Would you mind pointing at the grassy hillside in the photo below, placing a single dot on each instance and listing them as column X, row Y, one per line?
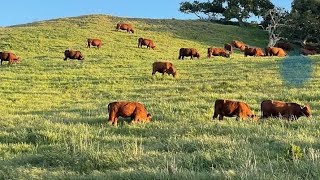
column 53, row 119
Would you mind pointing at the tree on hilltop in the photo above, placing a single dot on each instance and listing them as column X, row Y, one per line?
column 304, row 21
column 228, row 9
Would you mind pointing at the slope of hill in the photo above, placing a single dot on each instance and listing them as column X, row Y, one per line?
column 53, row 119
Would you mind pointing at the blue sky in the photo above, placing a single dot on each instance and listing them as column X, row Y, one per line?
column 26, row 11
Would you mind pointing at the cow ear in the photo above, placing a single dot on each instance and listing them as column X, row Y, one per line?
column 302, row 107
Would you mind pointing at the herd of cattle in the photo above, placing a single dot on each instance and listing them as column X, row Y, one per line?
column 138, row 113
column 222, row 107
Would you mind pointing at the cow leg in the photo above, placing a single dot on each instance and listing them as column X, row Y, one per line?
column 154, row 72
column 220, row 117
column 134, row 120
column 179, row 57
column 215, row 115
column 1, row 62
column 112, row 118
column 191, row 57
column 65, row 58
column 115, row 121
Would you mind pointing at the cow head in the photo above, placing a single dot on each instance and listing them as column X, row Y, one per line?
column 148, row 117
column 197, row 55
column 172, row 71
column 306, row 110
column 153, row 47
column 254, row 117
column 224, row 54
column 81, row 57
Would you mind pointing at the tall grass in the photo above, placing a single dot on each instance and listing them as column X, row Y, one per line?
column 53, row 119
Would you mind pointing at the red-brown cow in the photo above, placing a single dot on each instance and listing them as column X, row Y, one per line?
column 94, row 42
column 217, row 52
column 135, row 110
column 290, row 111
column 146, row 42
column 253, row 52
column 238, row 44
column 73, row 55
column 125, row 26
column 275, row 51
column 229, row 48
column 8, row 56
column 164, row 67
column 188, row 52
column 230, row 108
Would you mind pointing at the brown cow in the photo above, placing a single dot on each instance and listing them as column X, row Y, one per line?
column 164, row 67
column 8, row 56
column 125, row 26
column 135, row 110
column 230, row 108
column 290, row 111
column 217, row 52
column 238, row 44
column 284, row 45
column 252, row 51
column 307, row 52
column 312, row 48
column 73, row 55
column 188, row 52
column 94, row 42
column 275, row 51
column 229, row 48
column 145, row 42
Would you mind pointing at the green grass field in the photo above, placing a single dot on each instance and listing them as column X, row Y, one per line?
column 53, row 116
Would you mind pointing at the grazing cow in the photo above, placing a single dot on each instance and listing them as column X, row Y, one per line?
column 275, row 51
column 8, row 56
column 135, row 110
column 229, row 48
column 230, row 108
column 188, row 52
column 312, row 48
column 307, row 52
column 290, row 111
column 146, row 42
column 125, row 26
column 253, row 52
column 73, row 55
column 94, row 42
column 284, row 45
column 164, row 67
column 238, row 44
column 217, row 52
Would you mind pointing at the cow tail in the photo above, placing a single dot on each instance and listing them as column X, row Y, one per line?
column 109, row 107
